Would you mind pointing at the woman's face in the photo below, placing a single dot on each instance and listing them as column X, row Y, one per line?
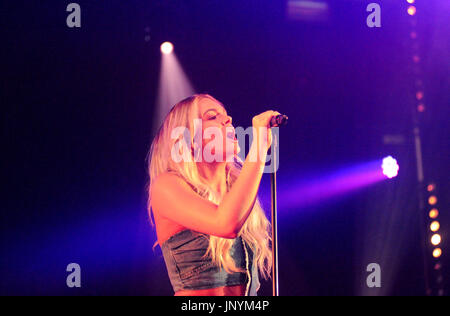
column 214, row 116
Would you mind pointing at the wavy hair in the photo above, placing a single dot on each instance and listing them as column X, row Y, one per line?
column 255, row 231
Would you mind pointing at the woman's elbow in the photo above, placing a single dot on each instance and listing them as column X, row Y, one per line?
column 232, row 232
column 231, row 235
column 229, row 232
column 228, row 228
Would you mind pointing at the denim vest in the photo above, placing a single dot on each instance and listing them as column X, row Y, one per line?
column 188, row 270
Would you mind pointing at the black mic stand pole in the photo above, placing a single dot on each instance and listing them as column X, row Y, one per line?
column 273, row 187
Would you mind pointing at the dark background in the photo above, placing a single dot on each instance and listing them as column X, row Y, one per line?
column 77, row 110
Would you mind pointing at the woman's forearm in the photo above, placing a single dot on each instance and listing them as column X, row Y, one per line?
column 237, row 204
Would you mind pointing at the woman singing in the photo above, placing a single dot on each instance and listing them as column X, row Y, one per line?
column 210, row 225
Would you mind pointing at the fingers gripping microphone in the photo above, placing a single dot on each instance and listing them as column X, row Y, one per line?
column 278, row 120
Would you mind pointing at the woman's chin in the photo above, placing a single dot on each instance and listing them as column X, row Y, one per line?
column 236, row 149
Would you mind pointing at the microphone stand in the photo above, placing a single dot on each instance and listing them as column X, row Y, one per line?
column 276, row 121
column 273, row 177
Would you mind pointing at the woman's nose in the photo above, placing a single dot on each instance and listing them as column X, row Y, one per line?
column 228, row 120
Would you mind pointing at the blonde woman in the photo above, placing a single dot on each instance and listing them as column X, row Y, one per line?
column 210, row 225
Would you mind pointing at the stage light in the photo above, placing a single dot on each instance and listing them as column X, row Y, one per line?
column 166, row 48
column 436, row 239
column 434, row 213
column 390, row 167
column 421, row 108
column 437, row 253
column 432, row 200
column 434, row 226
column 412, row 10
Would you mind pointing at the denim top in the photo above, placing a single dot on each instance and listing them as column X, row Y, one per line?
column 188, row 270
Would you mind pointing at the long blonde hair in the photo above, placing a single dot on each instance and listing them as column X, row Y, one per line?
column 255, row 231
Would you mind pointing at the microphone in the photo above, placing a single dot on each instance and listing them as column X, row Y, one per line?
column 279, row 120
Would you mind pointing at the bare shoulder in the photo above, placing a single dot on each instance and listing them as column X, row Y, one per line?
column 164, row 187
column 167, row 181
column 167, row 186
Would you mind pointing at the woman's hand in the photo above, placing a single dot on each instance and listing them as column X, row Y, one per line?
column 262, row 133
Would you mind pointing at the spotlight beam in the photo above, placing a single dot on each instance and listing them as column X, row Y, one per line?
column 174, row 85
column 339, row 183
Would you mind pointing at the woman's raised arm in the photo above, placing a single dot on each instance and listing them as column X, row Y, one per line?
column 174, row 199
